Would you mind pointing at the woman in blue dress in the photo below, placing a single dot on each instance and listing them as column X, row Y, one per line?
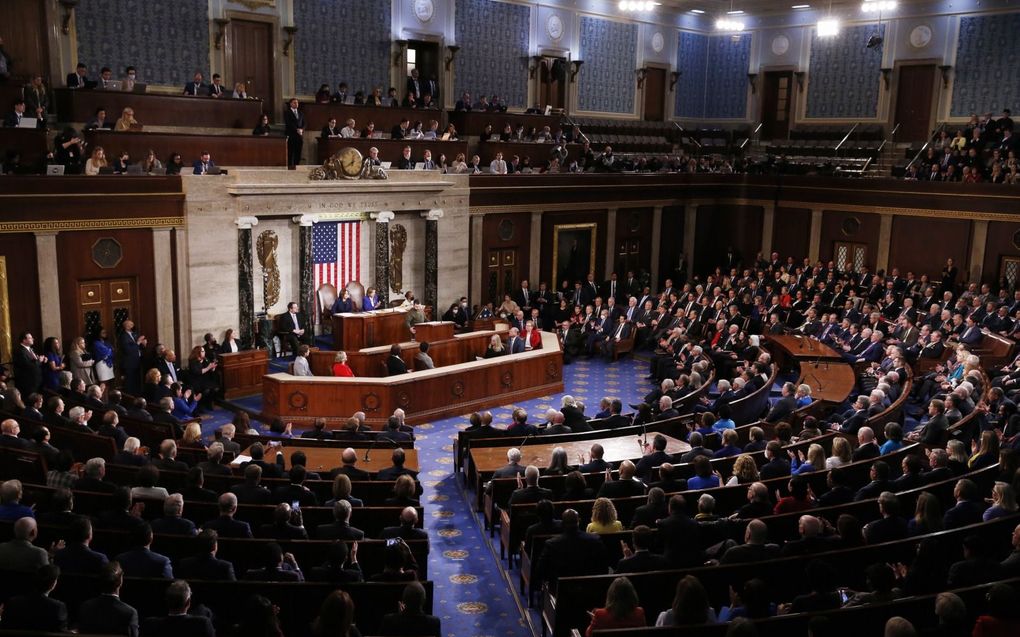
column 54, row 363
column 371, row 301
column 102, row 351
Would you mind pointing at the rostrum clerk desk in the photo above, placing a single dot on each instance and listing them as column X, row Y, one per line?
column 427, row 395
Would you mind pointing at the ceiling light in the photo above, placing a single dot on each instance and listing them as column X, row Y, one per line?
column 878, row 6
column 735, row 12
column 724, row 24
column 828, row 28
column 698, row 11
column 637, row 5
column 801, row 6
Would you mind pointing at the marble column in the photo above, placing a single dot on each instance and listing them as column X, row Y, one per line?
column 978, row 241
column 382, row 254
column 306, row 286
column 611, row 244
column 768, row 219
column 690, row 240
column 884, row 239
column 432, row 218
column 164, row 292
column 815, row 237
column 476, row 267
column 535, row 256
column 245, row 279
column 49, row 304
column 656, row 244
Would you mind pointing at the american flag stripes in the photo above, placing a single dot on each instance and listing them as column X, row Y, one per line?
column 336, row 253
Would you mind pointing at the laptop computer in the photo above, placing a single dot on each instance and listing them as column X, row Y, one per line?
column 106, row 170
column 55, row 169
column 134, row 169
column 114, row 85
column 419, row 165
column 377, row 135
column 385, row 165
column 494, row 137
column 445, row 137
column 28, row 122
column 139, row 87
column 349, row 99
column 215, row 170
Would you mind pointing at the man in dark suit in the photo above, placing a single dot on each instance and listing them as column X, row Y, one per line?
column 407, row 530
column 27, row 365
column 167, row 460
column 641, row 559
column 515, row 344
column 755, row 547
column 106, row 614
column 651, row 460
column 620, row 332
column 216, row 89
column 572, row 553
column 529, row 492
column 251, row 490
column 173, row 521
column 935, row 432
column 76, row 557
column 205, row 565
column 396, row 469
column 294, row 128
column 296, row 491
column 395, row 364
column 196, row 88
column 79, row 79
column 226, row 525
column 867, row 447
column 140, row 561
column 680, row 535
column 784, row 406
column 178, row 622
column 340, row 528
column 37, row 611
column 411, row 619
column 969, row 506
column 523, row 296
column 777, row 465
column 349, row 458
column 129, row 354
column 9, row 436
column 626, row 486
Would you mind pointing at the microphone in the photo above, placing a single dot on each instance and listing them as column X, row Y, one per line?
column 819, row 381
column 377, row 439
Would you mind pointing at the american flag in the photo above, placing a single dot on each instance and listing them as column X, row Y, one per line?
column 336, row 253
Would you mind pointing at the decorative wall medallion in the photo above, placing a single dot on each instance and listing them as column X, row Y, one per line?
column 507, row 378
column 505, row 230
column 424, row 10
column 107, row 252
column 554, row 27
column 270, row 399
column 457, row 389
column 658, row 42
column 370, row 402
column 780, row 45
column 850, row 226
column 298, row 400
column 552, row 370
column 920, row 36
column 403, row 399
column 1016, row 239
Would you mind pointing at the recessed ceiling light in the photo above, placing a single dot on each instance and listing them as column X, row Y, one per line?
column 735, row 12
column 801, row 6
column 698, row 11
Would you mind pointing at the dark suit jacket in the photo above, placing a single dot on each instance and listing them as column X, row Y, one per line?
column 35, row 612
column 530, row 495
column 963, row 514
column 571, row 554
column 205, row 567
column 291, row 123
column 642, row 562
column 338, row 531
column 141, row 562
column 191, row 88
column 78, row 558
column 177, row 626
column 395, row 366
column 407, row 624
column 27, row 372
column 173, row 526
column 750, row 553
column 107, row 614
column 621, row 489
column 680, row 538
column 249, row 494
column 129, row 356
column 228, row 527
column 783, row 408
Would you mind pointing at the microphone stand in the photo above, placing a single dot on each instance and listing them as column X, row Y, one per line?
column 377, row 439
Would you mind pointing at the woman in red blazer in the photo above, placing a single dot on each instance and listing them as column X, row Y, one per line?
column 340, row 366
column 622, row 608
column 531, row 336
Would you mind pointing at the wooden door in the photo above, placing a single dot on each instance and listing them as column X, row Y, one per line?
column 423, row 56
column 105, row 303
column 553, row 82
column 915, row 88
column 628, row 256
column 1009, row 272
column 251, row 58
column 655, row 95
column 24, row 34
column 850, row 256
column 776, row 96
column 503, row 274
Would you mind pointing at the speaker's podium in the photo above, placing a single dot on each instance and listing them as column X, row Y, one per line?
column 358, row 330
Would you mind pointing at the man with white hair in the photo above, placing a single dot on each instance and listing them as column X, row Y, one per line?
column 131, row 454
column 513, row 466
column 529, row 492
column 79, row 417
column 168, row 457
column 213, row 465
column 11, row 508
column 225, row 525
column 867, row 447
column 573, row 416
column 408, row 528
column 785, row 405
column 811, row 539
column 95, row 471
column 666, row 410
column 173, row 521
column 555, row 424
column 20, row 554
column 227, row 433
column 9, row 430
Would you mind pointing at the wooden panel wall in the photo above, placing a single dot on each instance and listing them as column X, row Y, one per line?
column 75, row 264
column 720, row 226
column 922, row 245
column 1000, row 244
column 552, row 219
column 671, row 244
column 791, row 233
column 22, row 283
column 834, row 228
column 24, row 34
column 634, row 223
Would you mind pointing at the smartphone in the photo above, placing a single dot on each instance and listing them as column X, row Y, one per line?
column 844, row 596
column 295, row 505
column 393, row 541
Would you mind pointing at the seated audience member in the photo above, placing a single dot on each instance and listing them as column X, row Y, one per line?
column 177, row 621
column 340, row 529
column 407, row 529
column 196, row 87
column 263, row 128
column 127, row 121
column 141, row 561
column 977, row 566
column 411, row 617
column 622, row 609
column 11, row 508
column 205, row 565
column 20, row 554
column 969, row 506
column 277, row 566
column 690, row 605
column 225, row 525
column 106, row 613
column 36, row 611
column 571, row 553
column 204, row 164
column 240, row 91
column 396, row 468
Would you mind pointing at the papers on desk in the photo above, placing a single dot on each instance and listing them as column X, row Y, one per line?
column 240, row 459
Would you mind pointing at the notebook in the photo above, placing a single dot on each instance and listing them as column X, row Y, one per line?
column 28, row 122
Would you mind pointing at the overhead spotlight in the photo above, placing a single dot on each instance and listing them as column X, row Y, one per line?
column 801, row 6
column 637, row 5
column 725, row 24
column 735, row 12
column 697, row 11
column 828, row 28
column 874, row 41
column 878, row 6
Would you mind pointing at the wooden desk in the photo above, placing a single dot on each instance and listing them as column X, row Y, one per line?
column 617, row 449
column 159, row 110
column 473, row 123
column 243, row 372
column 384, row 117
column 802, row 347
column 829, row 381
column 226, row 150
column 392, row 149
column 32, row 143
column 358, row 330
column 433, row 331
column 371, row 361
column 322, row 459
column 427, row 395
column 538, row 152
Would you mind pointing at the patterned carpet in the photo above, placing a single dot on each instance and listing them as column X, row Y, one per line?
column 474, row 595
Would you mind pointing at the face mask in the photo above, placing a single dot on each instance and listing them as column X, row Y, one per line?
column 131, row 76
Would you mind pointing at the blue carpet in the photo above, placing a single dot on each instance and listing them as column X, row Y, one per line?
column 474, row 594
